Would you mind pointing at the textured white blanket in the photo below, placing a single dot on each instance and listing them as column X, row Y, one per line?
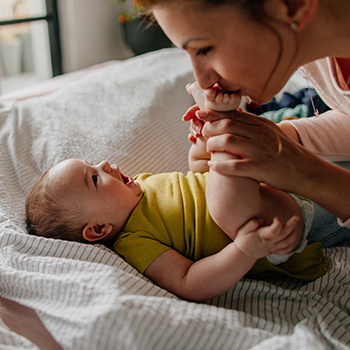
column 89, row 298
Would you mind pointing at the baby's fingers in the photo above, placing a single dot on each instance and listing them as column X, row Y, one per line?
column 271, row 231
column 250, row 226
column 286, row 245
column 291, row 224
column 279, row 229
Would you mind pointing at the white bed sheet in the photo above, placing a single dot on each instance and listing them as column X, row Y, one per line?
column 88, row 297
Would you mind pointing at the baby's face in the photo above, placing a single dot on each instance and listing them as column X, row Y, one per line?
column 107, row 195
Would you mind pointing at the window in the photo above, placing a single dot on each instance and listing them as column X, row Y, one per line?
column 29, row 42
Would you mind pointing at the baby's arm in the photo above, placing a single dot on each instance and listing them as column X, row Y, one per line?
column 198, row 156
column 214, row 275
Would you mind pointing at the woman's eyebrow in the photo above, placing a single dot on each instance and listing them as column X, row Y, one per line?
column 188, row 41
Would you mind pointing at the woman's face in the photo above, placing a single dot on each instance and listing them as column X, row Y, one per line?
column 228, row 48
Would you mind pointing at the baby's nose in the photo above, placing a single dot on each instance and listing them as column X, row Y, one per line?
column 105, row 166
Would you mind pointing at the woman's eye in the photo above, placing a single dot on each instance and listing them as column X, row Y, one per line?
column 94, row 179
column 204, row 51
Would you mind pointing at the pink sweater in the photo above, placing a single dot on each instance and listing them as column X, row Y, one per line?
column 328, row 135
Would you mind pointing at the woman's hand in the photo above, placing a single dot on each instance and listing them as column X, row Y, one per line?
column 267, row 153
column 196, row 124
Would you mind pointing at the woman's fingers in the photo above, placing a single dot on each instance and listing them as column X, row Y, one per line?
column 196, row 124
column 238, row 167
column 235, row 115
column 190, row 113
column 254, row 128
column 267, row 154
column 196, row 127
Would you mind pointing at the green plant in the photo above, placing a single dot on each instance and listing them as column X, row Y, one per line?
column 132, row 12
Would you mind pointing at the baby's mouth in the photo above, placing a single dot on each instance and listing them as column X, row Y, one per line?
column 126, row 179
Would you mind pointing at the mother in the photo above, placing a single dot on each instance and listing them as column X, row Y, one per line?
column 252, row 47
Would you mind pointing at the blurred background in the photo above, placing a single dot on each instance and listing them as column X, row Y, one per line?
column 40, row 39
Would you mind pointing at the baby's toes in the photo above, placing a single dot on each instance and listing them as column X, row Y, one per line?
column 227, row 98
column 235, row 100
column 210, row 94
column 219, row 97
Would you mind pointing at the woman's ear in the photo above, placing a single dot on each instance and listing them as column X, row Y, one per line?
column 301, row 12
column 298, row 13
column 95, row 232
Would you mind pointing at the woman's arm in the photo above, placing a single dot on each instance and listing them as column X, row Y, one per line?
column 25, row 322
column 294, row 169
column 327, row 135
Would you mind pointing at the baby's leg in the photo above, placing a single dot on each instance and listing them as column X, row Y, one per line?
column 234, row 200
column 226, row 195
column 231, row 199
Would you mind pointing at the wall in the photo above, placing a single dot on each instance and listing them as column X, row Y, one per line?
column 90, row 33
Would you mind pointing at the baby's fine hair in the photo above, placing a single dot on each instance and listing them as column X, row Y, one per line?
column 47, row 216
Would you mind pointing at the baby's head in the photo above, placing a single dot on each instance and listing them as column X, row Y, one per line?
column 77, row 201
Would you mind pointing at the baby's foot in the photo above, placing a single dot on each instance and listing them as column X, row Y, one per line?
column 219, row 100
column 197, row 93
column 213, row 98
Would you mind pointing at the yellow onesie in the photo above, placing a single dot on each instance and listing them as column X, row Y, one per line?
column 173, row 214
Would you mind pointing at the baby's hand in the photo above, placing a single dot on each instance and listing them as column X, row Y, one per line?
column 260, row 241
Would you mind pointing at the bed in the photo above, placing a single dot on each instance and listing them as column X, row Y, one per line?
column 86, row 296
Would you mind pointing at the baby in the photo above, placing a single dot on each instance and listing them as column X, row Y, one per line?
column 161, row 224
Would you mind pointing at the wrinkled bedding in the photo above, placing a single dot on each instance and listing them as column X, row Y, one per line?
column 86, row 296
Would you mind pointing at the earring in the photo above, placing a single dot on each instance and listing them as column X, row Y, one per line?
column 294, row 26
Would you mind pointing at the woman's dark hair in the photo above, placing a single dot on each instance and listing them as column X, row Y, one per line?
column 253, row 8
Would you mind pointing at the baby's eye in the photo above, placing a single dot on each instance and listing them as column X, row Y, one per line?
column 94, row 179
column 204, row 51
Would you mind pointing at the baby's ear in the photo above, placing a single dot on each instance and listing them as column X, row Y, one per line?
column 95, row 232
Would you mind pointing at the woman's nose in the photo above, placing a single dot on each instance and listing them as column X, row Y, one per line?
column 205, row 75
column 105, row 166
